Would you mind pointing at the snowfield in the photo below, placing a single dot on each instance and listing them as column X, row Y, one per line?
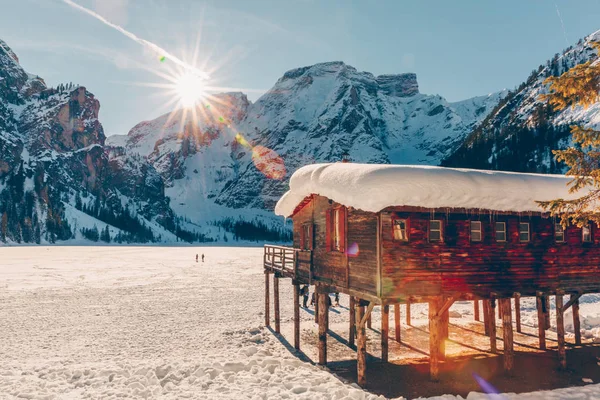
column 150, row 322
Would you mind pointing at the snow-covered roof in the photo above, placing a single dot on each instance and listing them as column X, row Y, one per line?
column 373, row 187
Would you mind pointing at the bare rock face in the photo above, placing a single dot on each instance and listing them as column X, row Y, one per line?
column 401, row 85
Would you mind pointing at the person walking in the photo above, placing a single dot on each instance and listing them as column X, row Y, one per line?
column 196, row 257
column 202, row 257
column 304, row 294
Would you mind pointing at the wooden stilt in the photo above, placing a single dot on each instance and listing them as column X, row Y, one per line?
column 323, row 326
column 276, row 304
column 444, row 322
column 486, row 317
column 297, row 316
column 541, row 321
column 385, row 331
column 547, row 311
column 434, row 339
column 507, row 330
column 316, row 305
column 476, row 310
column 408, row 313
column 499, row 307
column 397, row 328
column 369, row 322
column 560, row 331
column 361, row 346
column 352, row 327
column 518, row 311
column 492, row 323
column 267, row 302
column 576, row 322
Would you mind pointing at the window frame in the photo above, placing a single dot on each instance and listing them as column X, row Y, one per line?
column 562, row 230
column 306, row 239
column 440, row 230
column 336, row 229
column 480, row 230
column 528, row 232
column 503, row 231
column 406, row 229
column 589, row 228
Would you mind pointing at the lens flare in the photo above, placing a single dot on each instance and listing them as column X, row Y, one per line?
column 353, row 250
column 268, row 162
column 190, row 89
column 488, row 388
column 241, row 140
column 162, row 58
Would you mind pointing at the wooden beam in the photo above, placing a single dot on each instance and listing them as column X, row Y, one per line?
column 507, row 331
column 547, row 310
column 297, row 316
column 361, row 347
column 576, row 322
column 367, row 314
column 444, row 322
column 539, row 301
column 574, row 298
column 518, row 311
column 499, row 307
column 448, row 303
column 352, row 327
column 385, row 331
column 276, row 304
column 434, row 339
column 323, row 326
column 369, row 321
column 486, row 317
column 476, row 309
column 560, row 331
column 408, row 313
column 397, row 331
column 267, row 302
column 492, row 322
column 316, row 294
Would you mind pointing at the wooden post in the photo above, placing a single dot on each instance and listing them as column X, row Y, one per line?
column 509, row 354
column 296, row 316
column 476, row 310
column 492, row 321
column 352, row 327
column 267, row 302
column 434, row 339
column 408, row 313
column 539, row 299
column 316, row 305
column 486, row 317
column 361, row 346
column 576, row 322
column 276, row 303
column 369, row 322
column 499, row 306
column 560, row 331
column 323, row 326
column 444, row 322
column 518, row 311
column 547, row 311
column 385, row 331
column 397, row 328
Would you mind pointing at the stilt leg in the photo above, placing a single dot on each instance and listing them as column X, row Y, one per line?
column 397, row 328
column 297, row 316
column 547, row 311
column 434, row 339
column 576, row 322
column 385, row 331
column 323, row 326
column 408, row 313
column 444, row 324
column 369, row 322
column 476, row 310
column 499, row 306
column 267, row 301
column 276, row 304
column 541, row 321
column 518, row 311
column 361, row 347
column 507, row 331
column 560, row 331
column 486, row 317
column 316, row 305
column 492, row 321
column 352, row 327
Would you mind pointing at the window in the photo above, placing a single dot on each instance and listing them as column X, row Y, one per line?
column 559, row 233
column 306, row 240
column 435, row 230
column 524, row 232
column 476, row 231
column 336, row 229
column 400, row 230
column 586, row 234
column 500, row 231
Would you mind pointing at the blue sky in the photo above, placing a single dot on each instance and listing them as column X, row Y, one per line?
column 458, row 49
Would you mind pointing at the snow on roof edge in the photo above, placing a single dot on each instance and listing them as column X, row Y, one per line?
column 373, row 187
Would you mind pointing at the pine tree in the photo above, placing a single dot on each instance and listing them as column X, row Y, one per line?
column 579, row 86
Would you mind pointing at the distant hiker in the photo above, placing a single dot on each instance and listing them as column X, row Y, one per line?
column 196, row 257
column 304, row 294
column 313, row 298
column 202, row 257
column 337, row 299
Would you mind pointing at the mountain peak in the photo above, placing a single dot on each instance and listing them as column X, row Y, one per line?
column 400, row 85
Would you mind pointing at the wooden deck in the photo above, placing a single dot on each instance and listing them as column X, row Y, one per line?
column 288, row 262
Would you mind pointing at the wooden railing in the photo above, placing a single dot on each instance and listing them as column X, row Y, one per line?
column 280, row 259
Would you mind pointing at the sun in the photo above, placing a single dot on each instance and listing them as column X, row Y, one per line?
column 190, row 88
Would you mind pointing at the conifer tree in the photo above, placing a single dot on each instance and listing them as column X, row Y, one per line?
column 579, row 86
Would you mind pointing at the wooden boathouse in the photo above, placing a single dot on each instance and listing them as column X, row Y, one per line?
column 390, row 234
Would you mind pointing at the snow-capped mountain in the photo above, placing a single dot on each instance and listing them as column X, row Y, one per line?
column 521, row 132
column 312, row 114
column 58, row 180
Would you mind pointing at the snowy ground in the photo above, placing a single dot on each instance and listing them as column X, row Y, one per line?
column 149, row 322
